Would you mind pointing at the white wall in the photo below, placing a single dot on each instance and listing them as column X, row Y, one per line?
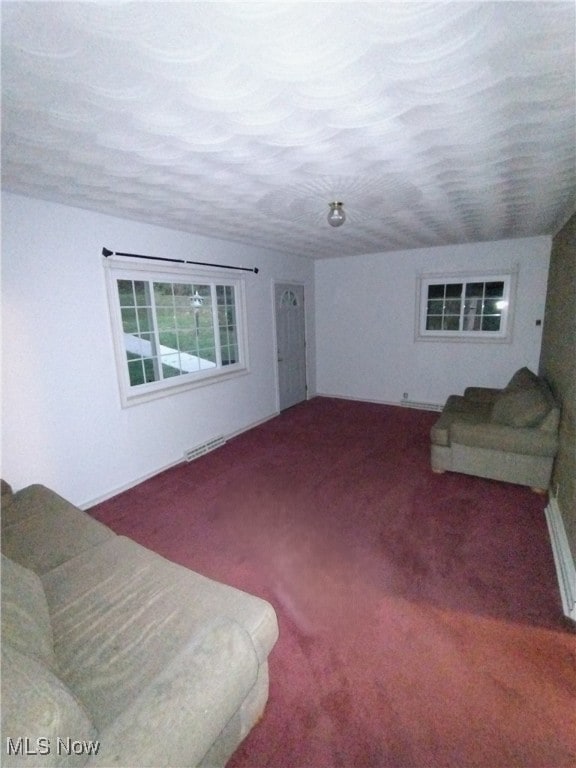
column 365, row 316
column 62, row 422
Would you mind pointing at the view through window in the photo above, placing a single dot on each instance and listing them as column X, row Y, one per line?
column 471, row 308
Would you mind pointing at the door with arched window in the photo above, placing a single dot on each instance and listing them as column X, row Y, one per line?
column 290, row 344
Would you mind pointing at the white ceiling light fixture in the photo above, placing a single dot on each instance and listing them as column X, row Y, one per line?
column 336, row 215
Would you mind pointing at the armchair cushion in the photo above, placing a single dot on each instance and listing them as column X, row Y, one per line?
column 6, row 495
column 521, row 379
column 501, row 437
column 520, row 407
column 481, row 394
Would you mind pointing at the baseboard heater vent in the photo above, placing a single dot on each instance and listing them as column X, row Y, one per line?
column 421, row 406
column 201, row 450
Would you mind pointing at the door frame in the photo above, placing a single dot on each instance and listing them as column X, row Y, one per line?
column 299, row 284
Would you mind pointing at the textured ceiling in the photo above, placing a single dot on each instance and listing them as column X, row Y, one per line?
column 434, row 123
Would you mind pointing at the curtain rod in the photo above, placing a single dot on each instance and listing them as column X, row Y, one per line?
column 106, row 252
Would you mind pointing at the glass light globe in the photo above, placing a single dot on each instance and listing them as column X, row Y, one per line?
column 336, row 215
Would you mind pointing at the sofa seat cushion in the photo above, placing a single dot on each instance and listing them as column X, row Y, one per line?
column 37, row 705
column 25, row 619
column 117, row 619
column 457, row 408
column 192, row 700
column 41, row 530
column 520, row 407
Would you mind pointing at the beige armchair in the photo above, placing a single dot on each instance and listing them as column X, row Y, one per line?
column 508, row 434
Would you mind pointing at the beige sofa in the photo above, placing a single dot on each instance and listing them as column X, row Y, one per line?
column 114, row 656
column 508, row 434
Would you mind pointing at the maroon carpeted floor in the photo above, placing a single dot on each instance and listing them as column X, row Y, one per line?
column 420, row 619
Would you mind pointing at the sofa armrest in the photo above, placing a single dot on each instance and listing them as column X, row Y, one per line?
column 178, row 716
column 482, row 394
column 498, row 437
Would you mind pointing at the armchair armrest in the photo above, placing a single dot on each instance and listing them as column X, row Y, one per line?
column 177, row 717
column 482, row 394
column 498, row 437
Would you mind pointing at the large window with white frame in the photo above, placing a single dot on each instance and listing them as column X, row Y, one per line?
column 465, row 307
column 174, row 327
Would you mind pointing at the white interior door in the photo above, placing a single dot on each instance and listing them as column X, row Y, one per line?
column 290, row 343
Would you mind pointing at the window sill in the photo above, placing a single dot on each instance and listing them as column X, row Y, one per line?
column 145, row 393
column 464, row 339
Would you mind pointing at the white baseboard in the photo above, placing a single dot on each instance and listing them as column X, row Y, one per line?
column 565, row 569
column 131, row 484
column 253, row 425
column 126, row 486
column 402, row 403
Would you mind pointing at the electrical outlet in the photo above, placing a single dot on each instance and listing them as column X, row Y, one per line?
column 405, row 396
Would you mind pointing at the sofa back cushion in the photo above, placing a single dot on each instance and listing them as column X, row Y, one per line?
column 25, row 619
column 43, row 530
column 37, row 706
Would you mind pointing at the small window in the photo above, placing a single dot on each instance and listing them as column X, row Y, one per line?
column 470, row 308
column 289, row 299
column 174, row 330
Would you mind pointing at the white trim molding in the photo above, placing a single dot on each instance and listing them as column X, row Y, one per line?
column 565, row 569
column 403, row 403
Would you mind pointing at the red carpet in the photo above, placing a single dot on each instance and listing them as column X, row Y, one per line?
column 420, row 620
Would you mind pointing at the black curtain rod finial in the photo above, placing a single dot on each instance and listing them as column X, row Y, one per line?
column 106, row 252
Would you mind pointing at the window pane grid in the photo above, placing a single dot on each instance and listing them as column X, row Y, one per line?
column 475, row 306
column 173, row 329
column 227, row 325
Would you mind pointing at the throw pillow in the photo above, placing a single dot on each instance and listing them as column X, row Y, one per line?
column 522, row 378
column 520, row 408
